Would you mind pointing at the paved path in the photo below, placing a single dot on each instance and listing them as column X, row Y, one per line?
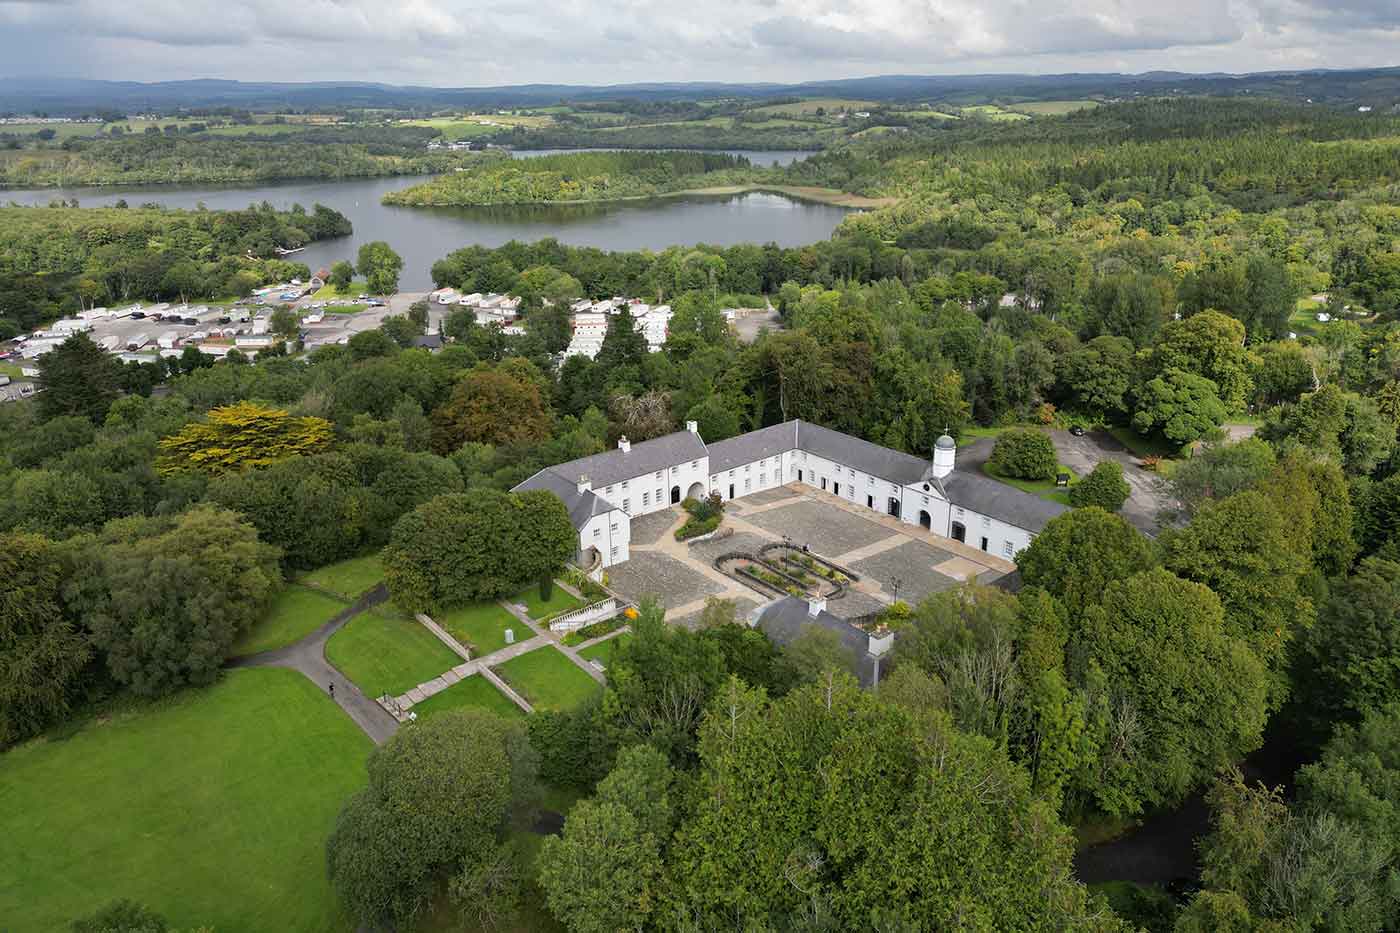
column 679, row 550
column 309, row 656
column 544, row 633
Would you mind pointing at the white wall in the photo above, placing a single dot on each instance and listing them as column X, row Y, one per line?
column 747, row 478
column 610, row 533
column 1003, row 540
column 647, row 493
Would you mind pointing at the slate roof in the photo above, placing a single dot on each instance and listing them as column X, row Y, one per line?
column 755, row 445
column 1005, row 503
column 581, row 506
column 890, row 465
column 614, row 466
column 785, row 619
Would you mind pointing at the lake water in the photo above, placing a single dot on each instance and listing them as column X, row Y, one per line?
column 424, row 235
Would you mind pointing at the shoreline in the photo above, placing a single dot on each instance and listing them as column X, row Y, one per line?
column 833, row 197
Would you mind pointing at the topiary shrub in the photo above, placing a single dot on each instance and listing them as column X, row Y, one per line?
column 1104, row 487
column 1024, row 453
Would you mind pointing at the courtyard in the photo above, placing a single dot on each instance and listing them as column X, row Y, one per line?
column 891, row 559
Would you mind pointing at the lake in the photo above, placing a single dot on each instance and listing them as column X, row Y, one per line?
column 424, row 235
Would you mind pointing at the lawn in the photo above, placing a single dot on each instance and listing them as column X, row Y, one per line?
column 810, row 107
column 604, row 650
column 1303, row 320
column 547, row 679
column 482, row 626
column 348, row 578
column 11, row 369
column 472, row 692
column 345, row 309
column 212, row 807
column 1045, row 489
column 383, row 655
column 355, row 289
column 1054, row 108
column 538, row 608
column 296, row 613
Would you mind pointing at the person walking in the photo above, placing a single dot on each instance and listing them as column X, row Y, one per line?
column 331, row 688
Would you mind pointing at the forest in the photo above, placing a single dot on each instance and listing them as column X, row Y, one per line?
column 1153, row 270
column 583, row 176
column 54, row 260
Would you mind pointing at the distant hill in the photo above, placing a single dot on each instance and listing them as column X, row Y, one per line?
column 1377, row 87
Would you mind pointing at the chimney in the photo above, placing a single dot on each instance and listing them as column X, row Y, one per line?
column 623, row 444
column 584, row 484
column 816, row 607
column 693, row 427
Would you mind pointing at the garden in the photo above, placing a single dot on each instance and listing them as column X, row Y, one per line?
column 385, row 655
column 470, row 692
column 481, row 626
column 548, row 680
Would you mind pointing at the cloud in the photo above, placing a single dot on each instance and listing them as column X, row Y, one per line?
column 479, row 42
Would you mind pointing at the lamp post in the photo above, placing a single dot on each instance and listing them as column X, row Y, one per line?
column 895, row 584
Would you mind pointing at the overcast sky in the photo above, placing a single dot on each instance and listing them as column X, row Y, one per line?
column 487, row 42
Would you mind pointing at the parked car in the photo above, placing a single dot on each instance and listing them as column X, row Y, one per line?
column 137, row 315
column 1077, row 430
column 189, row 320
column 225, row 320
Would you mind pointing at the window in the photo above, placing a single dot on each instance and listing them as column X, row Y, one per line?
column 1006, row 550
column 646, row 499
column 986, row 522
column 658, row 476
column 804, row 456
column 597, row 532
column 695, row 464
column 870, row 481
column 627, row 506
column 613, row 528
column 659, row 500
column 962, row 513
column 762, row 478
column 731, row 474
column 624, row 485
column 747, row 484
column 614, row 551
column 925, row 498
column 610, row 490
column 850, row 471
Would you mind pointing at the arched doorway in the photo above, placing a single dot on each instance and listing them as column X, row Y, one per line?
column 697, row 491
column 959, row 532
column 675, row 494
column 925, row 519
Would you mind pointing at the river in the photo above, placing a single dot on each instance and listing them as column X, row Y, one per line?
column 424, row 235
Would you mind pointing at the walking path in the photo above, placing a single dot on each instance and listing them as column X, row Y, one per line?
column 679, row 550
column 309, row 657
column 568, row 652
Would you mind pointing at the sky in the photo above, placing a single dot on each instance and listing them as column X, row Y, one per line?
column 457, row 43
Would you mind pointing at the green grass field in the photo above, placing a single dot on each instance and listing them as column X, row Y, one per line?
column 295, row 613
column 604, row 650
column 810, row 107
column 538, row 608
column 548, row 680
column 482, row 626
column 1144, row 446
column 356, row 288
column 472, row 692
column 11, row 369
column 1054, row 108
column 212, row 808
column 383, row 655
column 348, row 578
column 345, row 309
column 1045, row 489
column 994, row 113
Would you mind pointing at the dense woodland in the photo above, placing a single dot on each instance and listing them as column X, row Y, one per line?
column 583, row 176
column 1153, row 255
column 56, row 260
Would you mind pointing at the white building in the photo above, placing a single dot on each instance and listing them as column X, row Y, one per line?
column 602, row 492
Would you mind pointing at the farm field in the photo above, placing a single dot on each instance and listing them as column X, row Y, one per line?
column 211, row 807
column 1053, row 108
column 548, row 680
column 387, row 655
column 296, row 613
column 810, row 107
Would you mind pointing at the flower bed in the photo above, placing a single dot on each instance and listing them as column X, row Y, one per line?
column 594, row 630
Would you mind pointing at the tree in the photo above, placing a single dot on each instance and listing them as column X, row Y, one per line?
column 812, row 653
column 43, row 652
column 241, row 436
column 1218, row 471
column 717, row 418
column 1024, row 453
column 1350, row 657
column 285, row 323
column 623, row 345
column 77, row 378
column 121, row 916
column 1096, row 377
column 620, row 834
column 483, row 544
column 1181, row 406
column 972, row 846
column 1195, row 694
column 400, row 329
column 491, row 405
column 1240, row 548
column 166, row 598
column 439, row 795
column 1080, row 553
column 380, row 266
column 1104, row 487
column 341, row 275
column 1209, row 345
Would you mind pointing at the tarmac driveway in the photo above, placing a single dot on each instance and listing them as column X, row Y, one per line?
column 1149, row 494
